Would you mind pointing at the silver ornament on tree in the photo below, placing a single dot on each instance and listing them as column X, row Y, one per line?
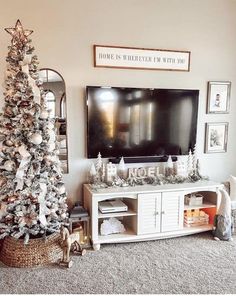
column 9, row 165
column 9, row 143
column 36, row 138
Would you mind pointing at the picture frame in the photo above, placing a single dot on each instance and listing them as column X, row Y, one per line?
column 123, row 57
column 218, row 97
column 216, row 137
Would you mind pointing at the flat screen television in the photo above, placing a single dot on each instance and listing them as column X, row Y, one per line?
column 138, row 122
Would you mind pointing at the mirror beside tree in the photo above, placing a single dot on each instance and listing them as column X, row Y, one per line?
column 55, row 97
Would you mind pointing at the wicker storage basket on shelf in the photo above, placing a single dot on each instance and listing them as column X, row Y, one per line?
column 37, row 252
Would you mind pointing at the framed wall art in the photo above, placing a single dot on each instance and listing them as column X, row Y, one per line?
column 141, row 58
column 216, row 137
column 218, row 96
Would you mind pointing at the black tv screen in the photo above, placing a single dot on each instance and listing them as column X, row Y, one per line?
column 134, row 122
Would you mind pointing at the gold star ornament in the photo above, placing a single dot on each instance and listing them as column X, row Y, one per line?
column 19, row 35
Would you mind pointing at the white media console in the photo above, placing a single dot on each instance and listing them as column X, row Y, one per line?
column 154, row 212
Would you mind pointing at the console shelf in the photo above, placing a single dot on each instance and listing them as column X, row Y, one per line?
column 118, row 214
column 198, row 228
column 154, row 212
column 128, row 234
column 203, row 206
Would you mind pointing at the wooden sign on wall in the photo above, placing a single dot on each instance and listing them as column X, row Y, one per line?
column 141, row 58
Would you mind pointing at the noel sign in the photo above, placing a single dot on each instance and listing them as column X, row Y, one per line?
column 143, row 172
column 141, row 58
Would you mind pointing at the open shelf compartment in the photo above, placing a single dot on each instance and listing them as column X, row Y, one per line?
column 209, row 206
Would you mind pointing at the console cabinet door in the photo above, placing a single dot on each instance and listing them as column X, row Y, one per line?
column 172, row 211
column 149, row 213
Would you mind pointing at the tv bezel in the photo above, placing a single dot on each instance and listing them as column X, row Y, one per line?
column 141, row 158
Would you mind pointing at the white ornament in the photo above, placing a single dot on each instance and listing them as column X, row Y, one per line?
column 36, row 139
column 9, row 165
column 23, row 151
column 44, row 114
column 9, row 143
column 63, row 215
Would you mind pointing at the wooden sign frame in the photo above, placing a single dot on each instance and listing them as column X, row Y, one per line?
column 141, row 58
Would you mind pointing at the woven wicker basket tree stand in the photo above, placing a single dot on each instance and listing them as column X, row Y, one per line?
column 37, row 252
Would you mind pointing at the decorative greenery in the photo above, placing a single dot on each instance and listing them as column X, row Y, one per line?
column 120, row 181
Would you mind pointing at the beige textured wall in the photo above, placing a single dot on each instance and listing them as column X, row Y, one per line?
column 65, row 30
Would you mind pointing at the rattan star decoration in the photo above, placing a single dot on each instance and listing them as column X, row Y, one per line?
column 19, row 35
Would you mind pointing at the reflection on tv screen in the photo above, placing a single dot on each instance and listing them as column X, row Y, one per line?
column 140, row 122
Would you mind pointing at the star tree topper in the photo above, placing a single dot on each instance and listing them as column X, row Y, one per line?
column 19, row 35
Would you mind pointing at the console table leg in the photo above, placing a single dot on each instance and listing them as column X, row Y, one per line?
column 96, row 247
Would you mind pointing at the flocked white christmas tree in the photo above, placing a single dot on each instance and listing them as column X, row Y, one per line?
column 32, row 193
column 98, row 164
column 194, row 158
column 122, row 168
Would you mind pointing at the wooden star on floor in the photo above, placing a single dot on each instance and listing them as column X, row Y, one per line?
column 19, row 35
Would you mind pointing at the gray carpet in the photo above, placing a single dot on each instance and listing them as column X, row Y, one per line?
column 191, row 264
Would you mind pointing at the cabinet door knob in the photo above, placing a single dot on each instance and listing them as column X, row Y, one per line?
column 163, row 212
column 157, row 213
